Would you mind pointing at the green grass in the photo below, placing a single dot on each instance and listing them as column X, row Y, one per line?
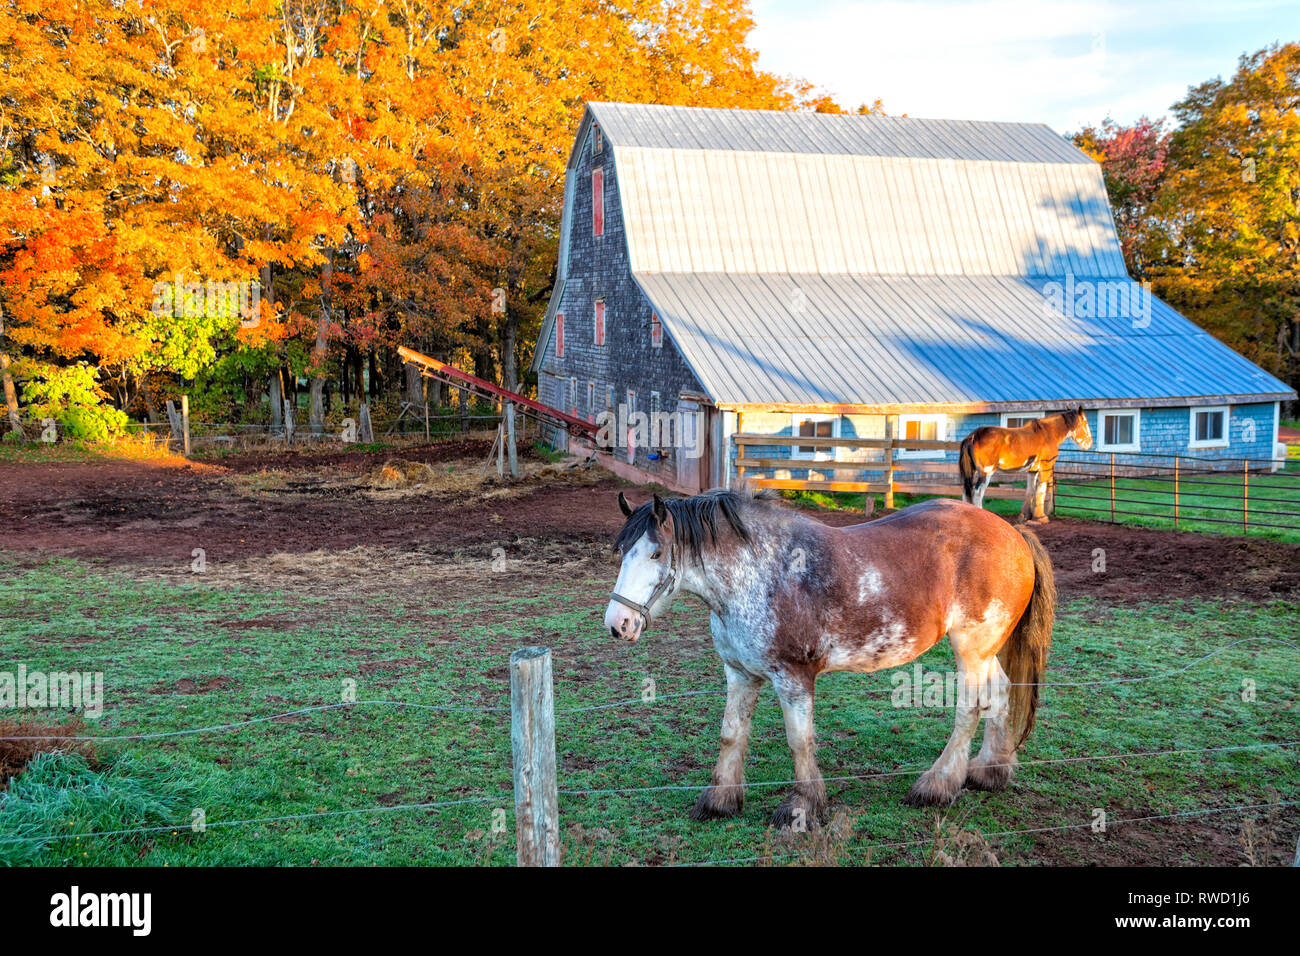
column 1221, row 503
column 346, row 777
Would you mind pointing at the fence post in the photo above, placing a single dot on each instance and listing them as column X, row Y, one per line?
column 510, row 437
column 532, row 741
column 1112, row 486
column 889, row 464
column 1176, row 460
column 289, row 423
column 185, row 422
column 1245, row 495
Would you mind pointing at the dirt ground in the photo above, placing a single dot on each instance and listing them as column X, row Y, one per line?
column 237, row 509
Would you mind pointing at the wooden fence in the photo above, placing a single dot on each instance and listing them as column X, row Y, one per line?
column 887, row 473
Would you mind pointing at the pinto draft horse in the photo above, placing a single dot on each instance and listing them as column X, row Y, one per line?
column 791, row 598
column 1033, row 448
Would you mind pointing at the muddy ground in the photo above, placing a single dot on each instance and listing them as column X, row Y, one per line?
column 241, row 509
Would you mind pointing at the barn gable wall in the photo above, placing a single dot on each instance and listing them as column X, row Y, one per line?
column 598, row 267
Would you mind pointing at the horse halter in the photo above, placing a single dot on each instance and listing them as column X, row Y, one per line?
column 660, row 589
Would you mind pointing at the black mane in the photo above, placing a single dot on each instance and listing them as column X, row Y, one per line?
column 693, row 518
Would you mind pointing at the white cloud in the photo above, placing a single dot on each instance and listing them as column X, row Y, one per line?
column 1063, row 63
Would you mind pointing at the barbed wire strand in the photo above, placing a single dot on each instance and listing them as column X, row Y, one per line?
column 450, row 708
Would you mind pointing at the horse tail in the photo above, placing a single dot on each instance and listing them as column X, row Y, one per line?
column 1024, row 656
column 966, row 465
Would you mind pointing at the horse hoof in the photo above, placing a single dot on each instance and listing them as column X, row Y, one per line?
column 1042, row 520
column 797, row 813
column 990, row 777
column 718, row 803
column 931, row 790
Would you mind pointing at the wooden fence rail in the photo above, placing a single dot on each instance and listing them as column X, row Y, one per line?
column 899, row 474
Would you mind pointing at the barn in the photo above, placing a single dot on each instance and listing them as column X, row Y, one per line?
column 863, row 276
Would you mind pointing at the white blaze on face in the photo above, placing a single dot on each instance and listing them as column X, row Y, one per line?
column 637, row 578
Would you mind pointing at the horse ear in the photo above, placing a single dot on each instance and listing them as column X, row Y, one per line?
column 661, row 510
column 624, row 506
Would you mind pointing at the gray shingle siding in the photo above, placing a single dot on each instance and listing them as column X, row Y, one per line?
column 599, row 269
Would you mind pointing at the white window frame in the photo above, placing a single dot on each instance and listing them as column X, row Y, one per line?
column 591, row 398
column 817, row 454
column 572, row 404
column 1191, row 426
column 1010, row 415
column 941, row 430
column 1100, row 435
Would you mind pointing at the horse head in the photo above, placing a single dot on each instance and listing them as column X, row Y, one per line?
column 648, row 577
column 1079, row 429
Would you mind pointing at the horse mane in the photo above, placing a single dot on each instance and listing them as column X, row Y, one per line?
column 694, row 518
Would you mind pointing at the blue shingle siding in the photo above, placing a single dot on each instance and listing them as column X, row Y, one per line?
column 599, row 269
column 1162, row 432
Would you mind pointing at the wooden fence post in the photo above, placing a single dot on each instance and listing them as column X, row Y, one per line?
column 532, row 741
column 501, row 442
column 510, row 437
column 1112, row 486
column 1176, row 460
column 889, row 464
column 185, row 422
column 1245, row 495
column 365, row 428
column 289, row 423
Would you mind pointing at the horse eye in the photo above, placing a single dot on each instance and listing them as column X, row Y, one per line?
column 656, row 555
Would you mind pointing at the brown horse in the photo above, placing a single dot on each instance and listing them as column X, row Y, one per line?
column 791, row 598
column 1032, row 448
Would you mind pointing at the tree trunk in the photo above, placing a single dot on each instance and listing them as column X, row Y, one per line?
column 277, row 404
column 414, row 385
column 316, row 409
column 11, row 393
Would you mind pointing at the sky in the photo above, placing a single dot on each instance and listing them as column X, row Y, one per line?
column 1069, row 63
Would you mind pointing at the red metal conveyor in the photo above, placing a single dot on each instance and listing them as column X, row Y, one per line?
column 432, row 368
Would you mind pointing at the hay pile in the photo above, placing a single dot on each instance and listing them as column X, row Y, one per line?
column 398, row 473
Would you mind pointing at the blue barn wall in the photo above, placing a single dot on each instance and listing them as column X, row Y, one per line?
column 599, row 268
column 1161, row 432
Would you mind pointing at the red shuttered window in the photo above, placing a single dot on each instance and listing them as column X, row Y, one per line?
column 598, row 201
column 559, row 335
column 598, row 335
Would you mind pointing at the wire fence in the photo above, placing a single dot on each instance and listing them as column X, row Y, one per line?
column 504, row 800
column 1179, row 491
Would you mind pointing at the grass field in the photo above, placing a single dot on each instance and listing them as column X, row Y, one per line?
column 355, row 784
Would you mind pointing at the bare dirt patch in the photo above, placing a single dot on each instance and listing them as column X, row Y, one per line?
column 16, row 754
column 288, row 516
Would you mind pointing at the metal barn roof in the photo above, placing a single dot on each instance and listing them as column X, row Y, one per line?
column 821, row 259
column 957, row 341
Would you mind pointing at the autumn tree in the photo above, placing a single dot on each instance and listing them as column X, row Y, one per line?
column 1228, row 249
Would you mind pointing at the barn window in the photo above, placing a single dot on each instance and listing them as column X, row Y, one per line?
column 922, row 428
column 598, row 333
column 1209, row 427
column 591, row 398
column 631, row 402
column 660, row 432
column 1118, row 431
column 815, row 426
column 609, row 397
column 559, row 335
column 597, row 139
column 656, row 331
column 598, row 201
column 1017, row 419
column 573, row 396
